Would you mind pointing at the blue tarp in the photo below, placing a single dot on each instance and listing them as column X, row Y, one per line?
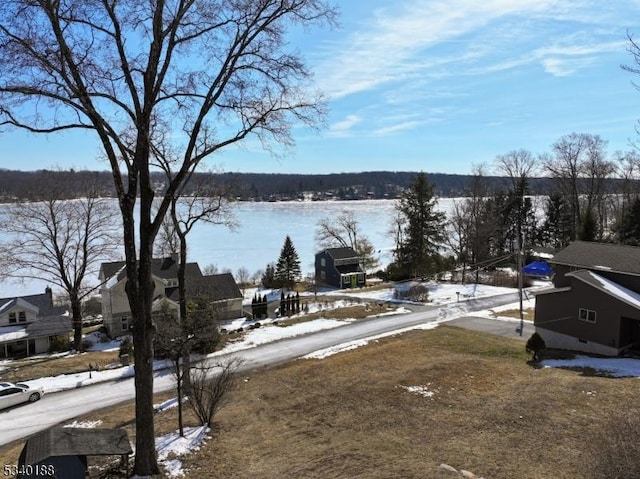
column 538, row 268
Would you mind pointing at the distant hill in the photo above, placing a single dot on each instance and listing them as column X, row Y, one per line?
column 270, row 187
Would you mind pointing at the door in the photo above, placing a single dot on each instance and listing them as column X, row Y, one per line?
column 354, row 281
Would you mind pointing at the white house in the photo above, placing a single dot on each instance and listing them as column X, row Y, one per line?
column 27, row 324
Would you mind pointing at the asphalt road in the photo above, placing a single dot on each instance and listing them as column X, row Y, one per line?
column 22, row 421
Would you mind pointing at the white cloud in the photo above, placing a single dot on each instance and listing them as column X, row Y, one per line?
column 388, row 48
column 343, row 128
column 435, row 39
column 387, row 130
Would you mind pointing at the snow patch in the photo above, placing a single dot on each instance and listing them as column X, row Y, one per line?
column 84, row 424
column 421, row 390
column 617, row 367
column 171, row 445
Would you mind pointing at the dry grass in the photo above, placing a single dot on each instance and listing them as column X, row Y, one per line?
column 348, row 416
column 358, row 311
column 528, row 313
column 26, row 369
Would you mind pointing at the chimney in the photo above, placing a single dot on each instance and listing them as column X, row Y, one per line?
column 175, row 257
column 49, row 293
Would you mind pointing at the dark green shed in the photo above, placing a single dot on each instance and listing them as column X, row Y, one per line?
column 61, row 452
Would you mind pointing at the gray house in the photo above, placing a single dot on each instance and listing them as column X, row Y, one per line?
column 339, row 267
column 62, row 451
column 594, row 305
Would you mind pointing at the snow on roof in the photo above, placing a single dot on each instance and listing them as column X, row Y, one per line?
column 614, row 289
column 12, row 333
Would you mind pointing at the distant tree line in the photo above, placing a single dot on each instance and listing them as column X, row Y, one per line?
column 264, row 187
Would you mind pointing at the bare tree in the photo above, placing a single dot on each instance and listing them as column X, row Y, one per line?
column 179, row 337
column 242, row 277
column 343, row 231
column 64, row 241
column 210, row 387
column 203, row 74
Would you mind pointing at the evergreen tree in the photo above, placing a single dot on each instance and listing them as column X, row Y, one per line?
column 269, row 277
column 629, row 228
column 588, row 230
column 556, row 228
column 265, row 307
column 423, row 230
column 287, row 270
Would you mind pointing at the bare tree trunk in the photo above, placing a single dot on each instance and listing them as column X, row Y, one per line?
column 76, row 315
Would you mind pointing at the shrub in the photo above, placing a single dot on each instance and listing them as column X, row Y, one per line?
column 534, row 345
column 417, row 292
column 126, row 347
column 59, row 344
column 86, row 344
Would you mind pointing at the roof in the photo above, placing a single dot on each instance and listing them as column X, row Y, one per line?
column 49, row 326
column 600, row 256
column 341, row 253
column 165, row 268
column 609, row 287
column 215, row 287
column 43, row 302
column 69, row 441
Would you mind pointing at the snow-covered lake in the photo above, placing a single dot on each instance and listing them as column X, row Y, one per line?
column 261, row 231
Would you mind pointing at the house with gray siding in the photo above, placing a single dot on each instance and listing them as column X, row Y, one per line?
column 594, row 304
column 339, row 267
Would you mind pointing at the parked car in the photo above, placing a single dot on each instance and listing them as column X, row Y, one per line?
column 12, row 394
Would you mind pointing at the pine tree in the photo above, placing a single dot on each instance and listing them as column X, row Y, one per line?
column 629, row 229
column 288, row 267
column 424, row 230
column 268, row 278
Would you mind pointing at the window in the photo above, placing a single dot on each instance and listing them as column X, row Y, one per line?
column 323, row 275
column 323, row 262
column 124, row 323
column 22, row 316
column 12, row 317
column 587, row 315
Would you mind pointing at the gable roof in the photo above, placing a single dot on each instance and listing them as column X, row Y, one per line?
column 69, row 441
column 165, row 268
column 609, row 287
column 42, row 303
column 215, row 287
column 341, row 253
column 600, row 256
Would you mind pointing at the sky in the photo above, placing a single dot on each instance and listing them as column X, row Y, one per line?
column 435, row 86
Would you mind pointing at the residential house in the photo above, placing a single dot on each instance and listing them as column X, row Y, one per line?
column 220, row 289
column 594, row 305
column 27, row 324
column 339, row 267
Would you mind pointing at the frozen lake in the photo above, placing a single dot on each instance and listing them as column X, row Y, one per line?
column 262, row 228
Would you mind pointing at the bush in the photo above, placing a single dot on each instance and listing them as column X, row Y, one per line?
column 59, row 344
column 417, row 292
column 534, row 345
column 86, row 344
column 126, row 347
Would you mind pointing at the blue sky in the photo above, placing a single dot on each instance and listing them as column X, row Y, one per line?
column 437, row 86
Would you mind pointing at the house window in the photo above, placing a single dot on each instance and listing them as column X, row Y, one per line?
column 587, row 315
column 323, row 262
column 22, row 316
column 12, row 317
column 323, row 275
column 124, row 323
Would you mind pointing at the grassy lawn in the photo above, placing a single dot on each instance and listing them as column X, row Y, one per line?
column 26, row 369
column 527, row 314
column 350, row 415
